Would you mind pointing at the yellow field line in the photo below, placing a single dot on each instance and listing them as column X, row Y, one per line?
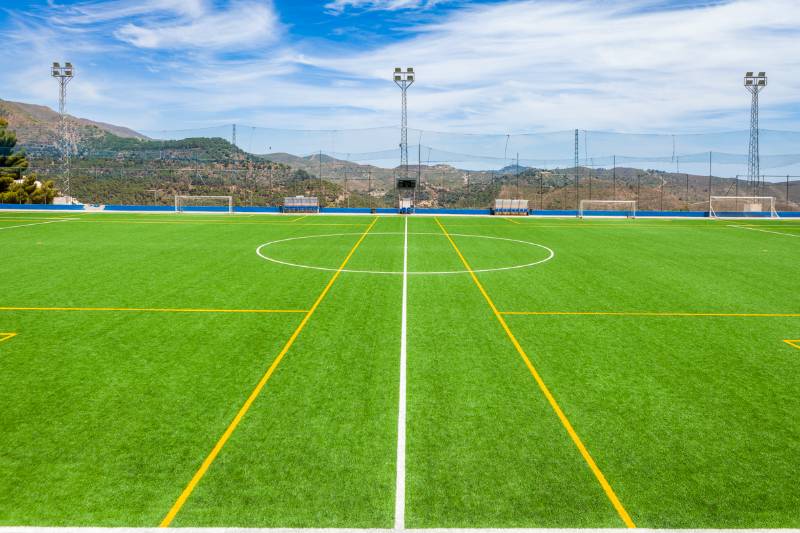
column 6, row 336
column 644, row 313
column 299, row 219
column 218, row 223
column 176, row 507
column 612, row 496
column 153, row 310
column 512, row 220
column 795, row 342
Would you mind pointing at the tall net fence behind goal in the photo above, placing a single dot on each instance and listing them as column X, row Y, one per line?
column 204, row 204
column 742, row 207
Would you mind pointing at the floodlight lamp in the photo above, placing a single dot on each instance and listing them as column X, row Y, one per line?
column 397, row 78
column 762, row 74
column 410, row 77
column 68, row 65
column 748, row 82
column 56, row 64
column 397, row 69
column 748, row 75
column 762, row 82
column 409, row 69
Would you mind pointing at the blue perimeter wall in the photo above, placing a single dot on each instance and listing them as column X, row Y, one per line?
column 366, row 210
column 45, row 207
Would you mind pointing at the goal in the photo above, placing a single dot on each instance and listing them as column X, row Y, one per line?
column 607, row 208
column 216, row 204
column 742, row 207
column 509, row 206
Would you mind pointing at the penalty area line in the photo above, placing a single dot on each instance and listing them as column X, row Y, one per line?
column 37, row 223
column 176, row 507
column 763, row 230
column 609, row 491
column 645, row 313
column 152, row 310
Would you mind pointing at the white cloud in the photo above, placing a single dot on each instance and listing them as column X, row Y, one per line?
column 340, row 6
column 245, row 23
column 522, row 66
column 174, row 24
column 591, row 64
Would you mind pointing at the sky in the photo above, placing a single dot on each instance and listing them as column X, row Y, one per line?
column 482, row 66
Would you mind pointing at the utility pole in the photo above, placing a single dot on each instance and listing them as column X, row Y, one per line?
column 615, row 177
column 577, row 176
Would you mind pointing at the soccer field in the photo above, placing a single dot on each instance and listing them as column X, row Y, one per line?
column 417, row 372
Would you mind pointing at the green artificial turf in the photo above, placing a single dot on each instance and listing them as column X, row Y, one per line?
column 107, row 414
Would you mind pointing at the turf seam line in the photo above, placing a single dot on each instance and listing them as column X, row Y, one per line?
column 176, row 507
column 643, row 313
column 153, row 310
column 609, row 491
column 400, row 481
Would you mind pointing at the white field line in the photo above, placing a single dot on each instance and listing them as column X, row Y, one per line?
column 763, row 230
column 37, row 223
column 400, row 483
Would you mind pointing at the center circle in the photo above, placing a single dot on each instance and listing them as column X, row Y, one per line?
column 260, row 251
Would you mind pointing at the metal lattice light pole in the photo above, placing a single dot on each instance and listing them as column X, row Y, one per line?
column 754, row 85
column 64, row 75
column 404, row 79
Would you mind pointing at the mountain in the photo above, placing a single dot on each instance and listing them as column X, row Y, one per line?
column 37, row 126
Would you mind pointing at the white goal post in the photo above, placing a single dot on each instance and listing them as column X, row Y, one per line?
column 204, row 204
column 607, row 208
column 742, row 207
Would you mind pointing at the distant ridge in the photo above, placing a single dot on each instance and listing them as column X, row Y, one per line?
column 38, row 125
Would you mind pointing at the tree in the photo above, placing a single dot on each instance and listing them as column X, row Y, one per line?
column 12, row 165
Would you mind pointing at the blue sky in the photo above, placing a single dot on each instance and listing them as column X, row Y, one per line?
column 495, row 66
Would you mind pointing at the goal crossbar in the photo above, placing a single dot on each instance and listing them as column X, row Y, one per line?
column 742, row 207
column 203, row 203
column 607, row 208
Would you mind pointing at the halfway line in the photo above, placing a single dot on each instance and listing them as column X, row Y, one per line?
column 176, row 507
column 400, row 486
column 612, row 496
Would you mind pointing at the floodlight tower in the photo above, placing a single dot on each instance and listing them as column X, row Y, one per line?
column 754, row 85
column 64, row 75
column 404, row 79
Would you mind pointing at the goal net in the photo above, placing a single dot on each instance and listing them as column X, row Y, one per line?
column 510, row 206
column 742, row 207
column 192, row 204
column 301, row 204
column 607, row 208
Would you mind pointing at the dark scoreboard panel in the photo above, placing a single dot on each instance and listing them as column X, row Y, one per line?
column 406, row 184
